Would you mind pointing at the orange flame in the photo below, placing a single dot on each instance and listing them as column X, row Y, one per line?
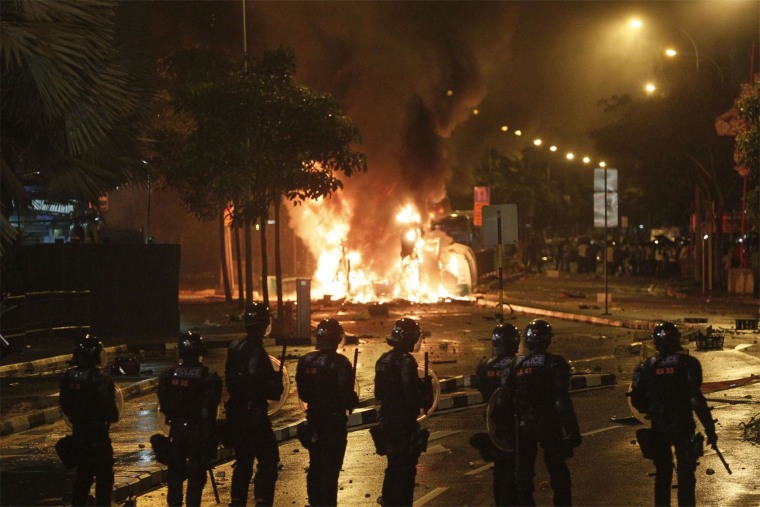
column 429, row 270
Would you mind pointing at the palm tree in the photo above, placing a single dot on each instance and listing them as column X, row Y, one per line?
column 72, row 107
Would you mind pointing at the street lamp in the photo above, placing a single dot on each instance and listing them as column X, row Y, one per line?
column 637, row 23
column 650, row 88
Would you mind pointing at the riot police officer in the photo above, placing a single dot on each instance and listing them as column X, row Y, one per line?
column 666, row 387
column 251, row 381
column 325, row 381
column 538, row 385
column 400, row 393
column 188, row 395
column 505, row 340
column 88, row 399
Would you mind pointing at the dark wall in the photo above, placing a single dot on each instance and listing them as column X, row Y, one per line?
column 134, row 288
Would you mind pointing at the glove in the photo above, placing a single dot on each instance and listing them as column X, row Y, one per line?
column 571, row 442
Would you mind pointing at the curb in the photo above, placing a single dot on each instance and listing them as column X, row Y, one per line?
column 134, row 483
column 644, row 325
column 53, row 414
column 47, row 364
column 587, row 381
column 359, row 417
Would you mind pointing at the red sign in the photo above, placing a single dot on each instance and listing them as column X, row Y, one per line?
column 482, row 197
column 103, row 203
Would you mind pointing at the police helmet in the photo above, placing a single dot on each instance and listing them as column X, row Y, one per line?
column 191, row 345
column 538, row 335
column 257, row 319
column 89, row 352
column 505, row 339
column 666, row 337
column 329, row 334
column 405, row 333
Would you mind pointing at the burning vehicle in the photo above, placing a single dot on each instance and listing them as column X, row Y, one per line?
column 409, row 259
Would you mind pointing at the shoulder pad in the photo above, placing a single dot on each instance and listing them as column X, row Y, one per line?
column 408, row 360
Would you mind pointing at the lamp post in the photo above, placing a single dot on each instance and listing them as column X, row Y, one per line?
column 148, row 237
column 693, row 44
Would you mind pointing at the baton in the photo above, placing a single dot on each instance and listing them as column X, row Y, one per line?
column 426, row 365
column 213, row 485
column 356, row 358
column 722, row 459
column 282, row 357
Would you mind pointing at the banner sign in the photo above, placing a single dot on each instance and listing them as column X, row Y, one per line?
column 605, row 178
column 482, row 197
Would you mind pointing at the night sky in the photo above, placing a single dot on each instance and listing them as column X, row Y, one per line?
column 409, row 74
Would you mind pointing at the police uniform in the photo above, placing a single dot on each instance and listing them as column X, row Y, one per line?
column 538, row 384
column 325, row 382
column 667, row 388
column 188, row 395
column 87, row 398
column 489, row 378
column 251, row 381
column 397, row 389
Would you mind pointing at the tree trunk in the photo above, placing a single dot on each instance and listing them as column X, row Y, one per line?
column 278, row 258
column 223, row 254
column 239, row 266
column 248, row 263
column 264, row 261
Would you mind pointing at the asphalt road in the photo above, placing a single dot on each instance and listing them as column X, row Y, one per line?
column 607, row 469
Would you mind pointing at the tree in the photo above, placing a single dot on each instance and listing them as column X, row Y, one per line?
column 249, row 137
column 748, row 150
column 545, row 196
column 310, row 143
column 671, row 160
column 72, row 109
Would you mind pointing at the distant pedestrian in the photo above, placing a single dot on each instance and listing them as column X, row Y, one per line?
column 667, row 388
column 538, row 386
column 251, row 381
column 325, row 381
column 88, row 400
column 505, row 340
column 401, row 396
column 189, row 394
column 581, row 256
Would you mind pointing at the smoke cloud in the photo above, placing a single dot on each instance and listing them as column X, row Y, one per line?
column 407, row 74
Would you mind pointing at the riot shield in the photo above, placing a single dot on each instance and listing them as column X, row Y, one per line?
column 501, row 421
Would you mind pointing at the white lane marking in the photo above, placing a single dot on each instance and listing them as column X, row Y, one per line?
column 743, row 346
column 436, row 449
column 589, row 359
column 600, row 430
column 476, row 471
column 436, row 435
column 425, row 499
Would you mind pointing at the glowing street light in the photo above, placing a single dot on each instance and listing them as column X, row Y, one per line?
column 586, row 160
column 602, row 164
column 518, row 132
column 637, row 23
column 537, row 142
column 650, row 88
column 570, row 156
column 476, row 111
column 552, row 148
column 670, row 52
column 504, row 128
